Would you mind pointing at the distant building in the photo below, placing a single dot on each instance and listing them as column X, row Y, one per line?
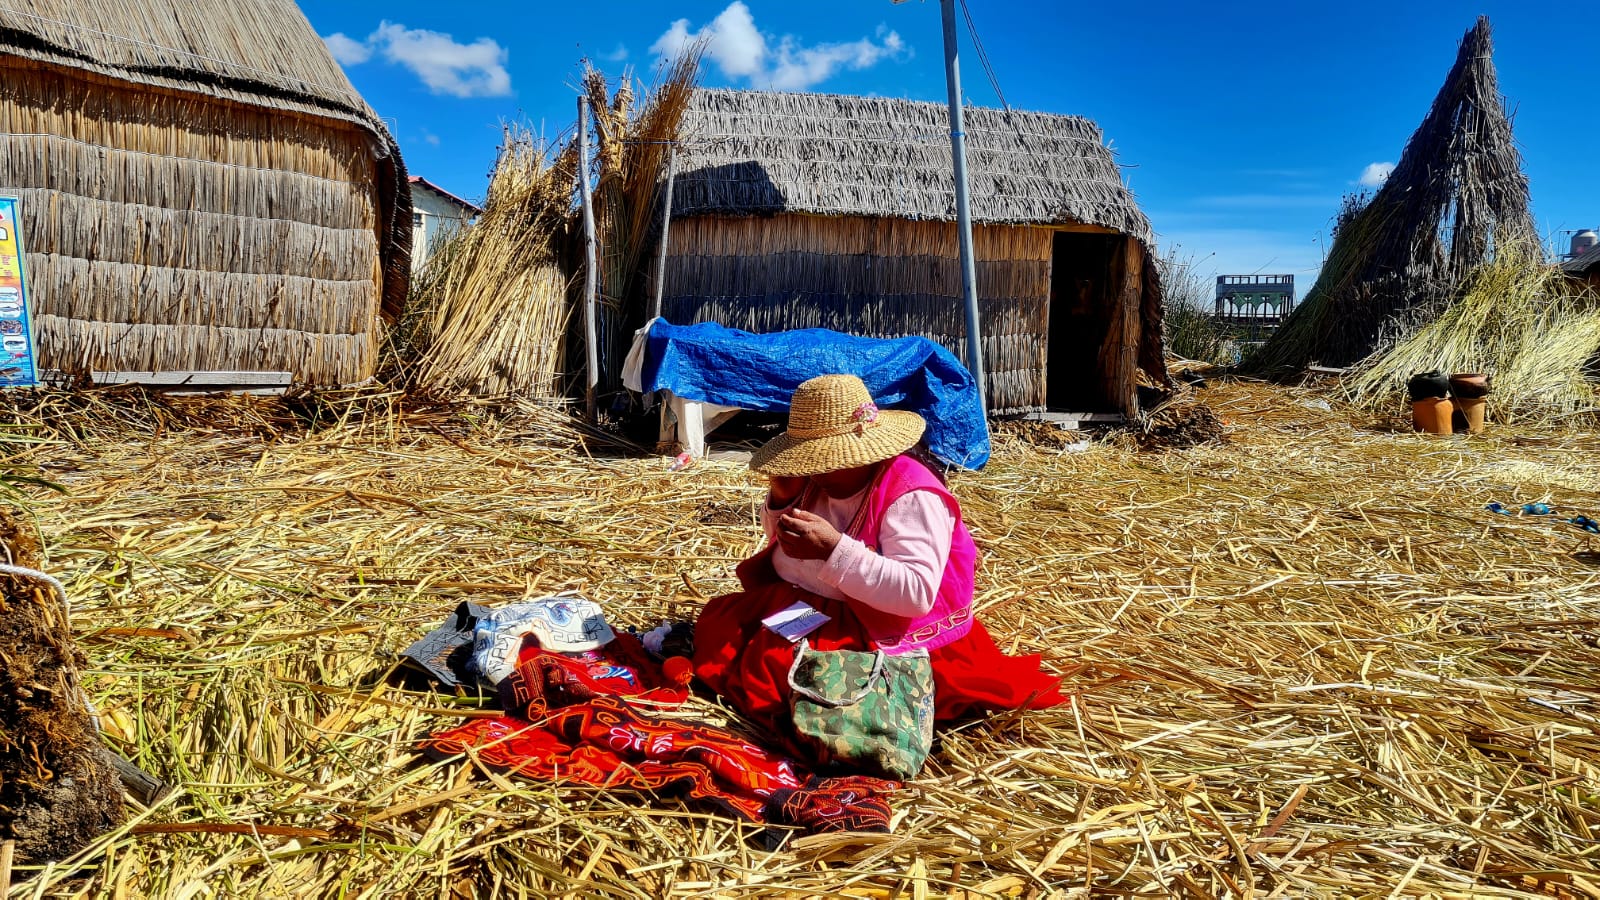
column 435, row 215
column 1254, row 300
column 1585, row 267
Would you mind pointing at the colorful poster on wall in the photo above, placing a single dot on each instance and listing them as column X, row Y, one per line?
column 17, row 367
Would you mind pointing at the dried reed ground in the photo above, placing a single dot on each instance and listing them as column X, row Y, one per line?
column 1307, row 663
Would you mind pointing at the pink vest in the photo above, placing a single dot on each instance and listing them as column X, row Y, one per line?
column 951, row 616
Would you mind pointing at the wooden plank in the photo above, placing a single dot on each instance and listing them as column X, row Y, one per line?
column 187, row 382
column 195, row 378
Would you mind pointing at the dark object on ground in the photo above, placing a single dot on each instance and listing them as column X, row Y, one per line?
column 445, row 651
column 1469, row 386
column 143, row 786
column 1180, row 425
column 57, row 791
column 1428, row 386
column 1150, row 397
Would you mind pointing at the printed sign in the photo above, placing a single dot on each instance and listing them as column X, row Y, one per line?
column 17, row 367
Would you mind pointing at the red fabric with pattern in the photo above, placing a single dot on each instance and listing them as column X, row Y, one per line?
column 606, row 743
column 583, row 731
column 740, row 659
column 543, row 679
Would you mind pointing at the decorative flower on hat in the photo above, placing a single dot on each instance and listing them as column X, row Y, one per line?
column 865, row 414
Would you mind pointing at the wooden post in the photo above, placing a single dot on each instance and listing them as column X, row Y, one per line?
column 591, row 274
column 1127, row 328
column 666, row 224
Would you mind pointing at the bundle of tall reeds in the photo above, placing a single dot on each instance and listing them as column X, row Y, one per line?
column 1457, row 192
column 493, row 301
column 633, row 142
column 1519, row 320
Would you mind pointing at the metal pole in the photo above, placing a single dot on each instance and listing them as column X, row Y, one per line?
column 590, row 273
column 666, row 222
column 958, row 152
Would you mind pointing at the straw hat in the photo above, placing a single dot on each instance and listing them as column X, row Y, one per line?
column 834, row 425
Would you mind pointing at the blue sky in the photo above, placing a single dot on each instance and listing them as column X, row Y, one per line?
column 1240, row 127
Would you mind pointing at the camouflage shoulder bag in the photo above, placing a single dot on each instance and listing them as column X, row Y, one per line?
column 864, row 711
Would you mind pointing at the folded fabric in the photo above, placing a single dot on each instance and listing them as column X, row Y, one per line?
column 568, row 721
column 446, row 651
column 854, row 803
column 563, row 624
column 543, row 680
column 606, row 743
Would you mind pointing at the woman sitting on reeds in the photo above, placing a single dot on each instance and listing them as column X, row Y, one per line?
column 870, row 538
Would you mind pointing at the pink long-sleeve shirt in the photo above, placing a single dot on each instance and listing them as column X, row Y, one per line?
column 901, row 578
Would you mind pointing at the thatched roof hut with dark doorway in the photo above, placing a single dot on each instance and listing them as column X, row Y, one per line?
column 202, row 189
column 816, row 210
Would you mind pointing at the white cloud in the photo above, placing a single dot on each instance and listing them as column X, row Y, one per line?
column 347, row 50
column 740, row 50
column 446, row 67
column 1375, row 174
column 618, row 55
column 430, row 138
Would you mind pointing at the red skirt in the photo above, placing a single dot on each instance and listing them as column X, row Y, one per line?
column 740, row 659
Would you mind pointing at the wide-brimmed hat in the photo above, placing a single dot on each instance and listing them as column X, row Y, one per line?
column 834, row 425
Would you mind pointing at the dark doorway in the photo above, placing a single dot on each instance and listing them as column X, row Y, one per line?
column 1080, row 314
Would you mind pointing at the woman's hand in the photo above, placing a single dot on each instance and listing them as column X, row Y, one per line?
column 806, row 535
column 783, row 490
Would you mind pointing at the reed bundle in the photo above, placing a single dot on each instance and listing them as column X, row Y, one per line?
column 1521, row 321
column 1306, row 662
column 1456, row 193
column 632, row 146
column 493, row 302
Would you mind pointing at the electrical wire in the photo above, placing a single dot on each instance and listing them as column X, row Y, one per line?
column 983, row 57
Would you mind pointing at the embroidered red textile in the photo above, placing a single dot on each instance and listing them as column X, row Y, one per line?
column 605, row 743
column 579, row 728
column 747, row 663
column 543, row 679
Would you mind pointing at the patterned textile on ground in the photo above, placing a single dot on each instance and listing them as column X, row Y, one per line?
column 568, row 721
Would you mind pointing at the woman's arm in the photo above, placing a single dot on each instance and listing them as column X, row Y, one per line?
column 903, row 577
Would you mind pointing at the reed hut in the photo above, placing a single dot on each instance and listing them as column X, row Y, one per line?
column 202, row 189
column 1456, row 198
column 816, row 210
column 1585, row 267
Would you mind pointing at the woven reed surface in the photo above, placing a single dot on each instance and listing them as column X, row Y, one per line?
column 262, row 54
column 1306, row 662
column 749, row 152
column 264, row 44
column 873, row 277
column 170, row 231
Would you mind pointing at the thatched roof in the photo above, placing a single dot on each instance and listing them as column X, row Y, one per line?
column 261, row 53
column 1586, row 264
column 1456, row 195
column 762, row 153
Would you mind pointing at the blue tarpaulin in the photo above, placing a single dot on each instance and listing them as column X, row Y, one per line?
column 713, row 364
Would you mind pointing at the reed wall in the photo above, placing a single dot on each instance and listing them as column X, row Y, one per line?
column 870, row 276
column 175, row 231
